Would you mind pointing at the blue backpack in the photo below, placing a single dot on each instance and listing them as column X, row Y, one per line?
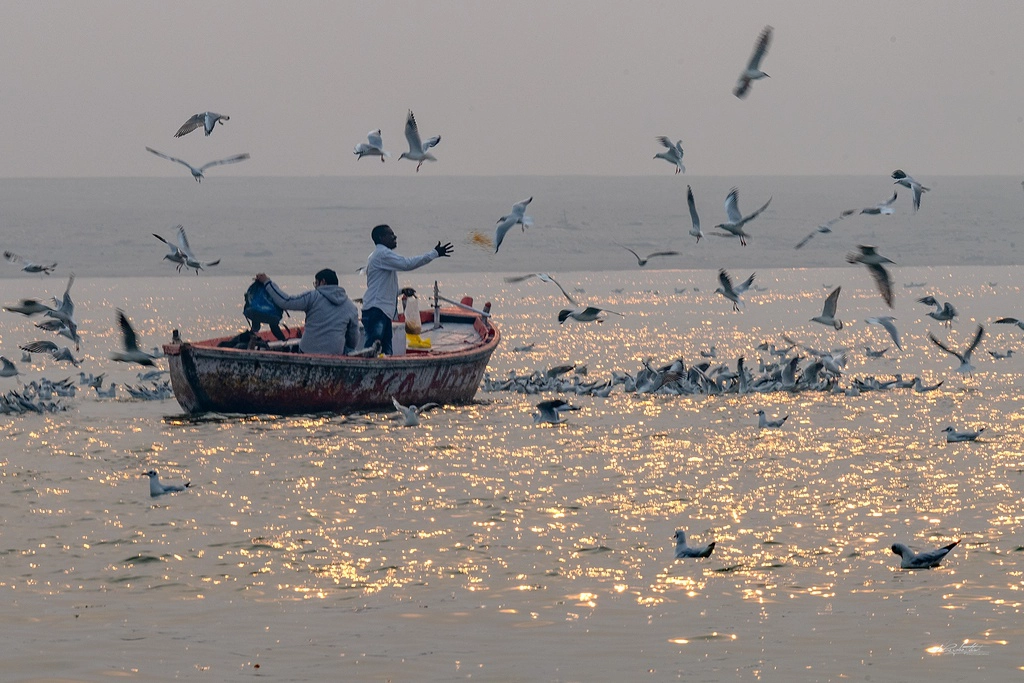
column 259, row 307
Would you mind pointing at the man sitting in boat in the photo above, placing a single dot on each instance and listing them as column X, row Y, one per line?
column 332, row 320
column 380, row 303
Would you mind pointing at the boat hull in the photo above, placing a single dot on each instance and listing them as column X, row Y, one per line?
column 208, row 378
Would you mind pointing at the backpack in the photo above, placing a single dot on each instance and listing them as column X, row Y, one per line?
column 259, row 307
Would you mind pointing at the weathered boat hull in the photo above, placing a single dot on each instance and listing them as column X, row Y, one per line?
column 208, row 378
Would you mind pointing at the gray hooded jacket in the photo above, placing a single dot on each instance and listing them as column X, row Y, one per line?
column 332, row 320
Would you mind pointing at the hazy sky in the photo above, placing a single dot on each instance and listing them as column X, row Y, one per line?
column 513, row 88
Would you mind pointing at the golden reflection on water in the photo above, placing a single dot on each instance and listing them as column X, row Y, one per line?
column 561, row 521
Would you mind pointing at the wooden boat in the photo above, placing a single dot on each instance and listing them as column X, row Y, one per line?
column 208, row 377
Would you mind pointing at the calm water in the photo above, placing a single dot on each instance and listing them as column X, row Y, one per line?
column 479, row 545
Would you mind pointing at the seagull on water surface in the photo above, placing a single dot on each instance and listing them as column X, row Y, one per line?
column 911, row 184
column 508, row 221
column 828, row 311
column 197, row 173
column 417, row 149
column 965, row 358
column 158, row 489
column 411, row 414
column 550, row 411
column 207, row 120
column 954, row 436
column 673, row 153
column 131, row 353
column 753, row 71
column 685, row 550
column 870, row 257
column 733, row 292
column 886, row 321
column 694, row 218
column 373, row 147
column 764, row 423
column 734, row 227
column 1001, row 355
column 925, row 560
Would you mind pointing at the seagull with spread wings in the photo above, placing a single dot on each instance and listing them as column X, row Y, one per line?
column 197, row 173
column 673, row 153
column 373, row 147
column 753, row 71
column 882, row 208
column 824, row 228
column 965, row 367
column 510, row 220
column 828, row 311
column 28, row 266
column 734, row 226
column 870, row 257
column 694, row 218
column 131, row 353
column 731, row 292
column 418, row 150
column 911, row 184
column 642, row 260
column 206, row 119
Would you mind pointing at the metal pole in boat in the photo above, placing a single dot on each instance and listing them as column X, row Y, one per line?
column 437, row 307
column 458, row 304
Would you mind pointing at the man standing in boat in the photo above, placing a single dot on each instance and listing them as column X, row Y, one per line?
column 332, row 320
column 380, row 303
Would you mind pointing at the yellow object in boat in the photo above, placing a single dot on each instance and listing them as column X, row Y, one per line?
column 415, row 341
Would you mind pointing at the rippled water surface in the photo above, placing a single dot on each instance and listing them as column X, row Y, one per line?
column 480, row 545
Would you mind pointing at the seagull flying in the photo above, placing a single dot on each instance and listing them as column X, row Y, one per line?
column 158, row 489
column 30, row 307
column 28, row 266
column 737, row 220
column 885, row 207
column 886, row 321
column 753, row 71
column 417, row 149
column 965, row 357
column 642, row 260
column 62, row 353
column 943, row 313
column 694, row 218
column 925, row 560
column 731, row 292
column 911, row 184
column 131, row 353
column 175, row 255
column 684, row 550
column 186, row 250
column 207, row 120
column 507, row 222
column 543, row 277
column 673, row 153
column 9, row 369
column 411, row 414
column 197, row 173
column 824, row 228
column 870, row 257
column 1000, row 321
column 373, row 147
column 828, row 311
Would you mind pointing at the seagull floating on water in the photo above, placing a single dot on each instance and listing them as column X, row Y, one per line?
column 1001, row 355
column 550, row 411
column 197, row 173
column 158, row 489
column 753, row 71
column 870, row 257
column 28, row 266
column 734, row 227
column 131, row 353
column 207, row 120
column 925, row 560
column 911, row 184
column 411, row 414
column 373, row 147
column 954, row 436
column 965, row 358
column 883, row 208
column 417, row 149
column 684, row 550
column 828, row 311
column 673, row 153
column 764, row 423
column 508, row 221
